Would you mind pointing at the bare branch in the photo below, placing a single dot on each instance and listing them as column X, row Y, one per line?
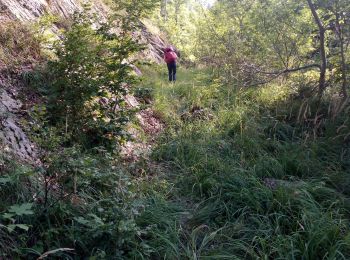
column 276, row 74
column 321, row 29
column 290, row 70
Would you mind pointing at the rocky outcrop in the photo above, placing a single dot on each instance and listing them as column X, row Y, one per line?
column 11, row 135
column 27, row 10
column 31, row 10
column 155, row 44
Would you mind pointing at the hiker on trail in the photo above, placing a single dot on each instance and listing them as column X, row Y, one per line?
column 170, row 58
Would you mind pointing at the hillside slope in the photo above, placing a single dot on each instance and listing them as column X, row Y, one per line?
column 27, row 10
column 19, row 54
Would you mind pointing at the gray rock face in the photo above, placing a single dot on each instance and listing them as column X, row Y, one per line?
column 11, row 135
column 30, row 10
column 155, row 45
column 26, row 10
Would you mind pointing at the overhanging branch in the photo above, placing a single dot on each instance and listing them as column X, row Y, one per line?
column 276, row 74
column 290, row 70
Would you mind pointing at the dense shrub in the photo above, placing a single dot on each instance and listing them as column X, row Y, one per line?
column 89, row 81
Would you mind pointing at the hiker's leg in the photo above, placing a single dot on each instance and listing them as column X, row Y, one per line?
column 174, row 71
column 170, row 72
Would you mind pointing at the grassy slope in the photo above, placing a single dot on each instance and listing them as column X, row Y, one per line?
column 242, row 182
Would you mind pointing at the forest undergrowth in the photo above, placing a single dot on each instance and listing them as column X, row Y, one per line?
column 246, row 179
column 234, row 175
column 250, row 159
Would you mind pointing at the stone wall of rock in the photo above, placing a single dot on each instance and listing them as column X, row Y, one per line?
column 31, row 10
column 12, row 136
column 155, row 45
column 27, row 10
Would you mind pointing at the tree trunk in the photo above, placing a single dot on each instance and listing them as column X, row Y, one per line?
column 177, row 10
column 163, row 9
column 322, row 30
column 339, row 32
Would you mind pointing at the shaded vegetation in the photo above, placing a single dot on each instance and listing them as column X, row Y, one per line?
column 253, row 162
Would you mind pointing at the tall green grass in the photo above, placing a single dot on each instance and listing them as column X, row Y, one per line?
column 243, row 180
column 254, row 182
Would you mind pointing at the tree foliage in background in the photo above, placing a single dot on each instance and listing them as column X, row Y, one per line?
column 177, row 19
column 335, row 17
column 253, row 42
column 256, row 40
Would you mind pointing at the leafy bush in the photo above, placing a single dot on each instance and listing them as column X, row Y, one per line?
column 74, row 201
column 89, row 81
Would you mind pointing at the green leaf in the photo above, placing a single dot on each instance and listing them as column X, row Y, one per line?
column 12, row 227
column 96, row 219
column 23, row 209
column 22, row 226
column 8, row 216
column 5, row 180
column 82, row 220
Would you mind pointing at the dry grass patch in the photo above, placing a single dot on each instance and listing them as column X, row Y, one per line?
column 18, row 46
